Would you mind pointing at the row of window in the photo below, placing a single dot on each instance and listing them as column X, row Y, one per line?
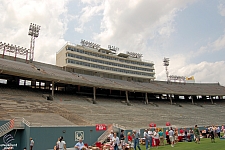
column 108, row 68
column 108, row 63
column 108, row 57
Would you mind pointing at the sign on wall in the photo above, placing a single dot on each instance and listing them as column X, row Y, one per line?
column 79, row 135
column 100, row 127
column 7, row 142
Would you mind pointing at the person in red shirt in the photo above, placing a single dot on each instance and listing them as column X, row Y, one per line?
column 129, row 139
column 181, row 131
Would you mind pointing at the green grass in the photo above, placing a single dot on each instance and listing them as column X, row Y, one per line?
column 205, row 144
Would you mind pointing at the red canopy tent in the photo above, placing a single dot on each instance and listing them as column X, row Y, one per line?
column 168, row 124
column 152, row 125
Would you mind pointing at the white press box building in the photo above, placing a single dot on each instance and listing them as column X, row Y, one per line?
column 90, row 59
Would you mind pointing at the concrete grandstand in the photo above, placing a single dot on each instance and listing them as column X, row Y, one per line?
column 112, row 97
column 52, row 100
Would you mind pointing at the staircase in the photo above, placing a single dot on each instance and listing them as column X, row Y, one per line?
column 104, row 136
column 16, row 123
column 114, row 127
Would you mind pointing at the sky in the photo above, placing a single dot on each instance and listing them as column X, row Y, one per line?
column 191, row 33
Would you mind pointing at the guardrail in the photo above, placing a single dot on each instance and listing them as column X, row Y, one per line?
column 103, row 137
column 16, row 123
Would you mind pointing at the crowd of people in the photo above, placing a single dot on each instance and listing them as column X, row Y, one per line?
column 61, row 145
column 155, row 137
column 152, row 137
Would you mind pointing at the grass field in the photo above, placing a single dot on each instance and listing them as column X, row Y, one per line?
column 205, row 144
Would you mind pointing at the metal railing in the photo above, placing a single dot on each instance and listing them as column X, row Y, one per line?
column 104, row 136
column 16, row 123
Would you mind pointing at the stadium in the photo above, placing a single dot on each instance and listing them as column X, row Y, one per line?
column 90, row 91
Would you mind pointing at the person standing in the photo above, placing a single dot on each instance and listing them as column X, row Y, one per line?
column 122, row 139
column 161, row 138
column 150, row 135
column 191, row 134
column 61, row 143
column 156, row 137
column 115, row 141
column 223, row 129
column 129, row 139
column 171, row 136
column 146, row 138
column 218, row 132
column 31, row 143
column 110, row 136
column 136, row 136
column 197, row 134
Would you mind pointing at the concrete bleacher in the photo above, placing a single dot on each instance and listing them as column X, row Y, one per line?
column 67, row 110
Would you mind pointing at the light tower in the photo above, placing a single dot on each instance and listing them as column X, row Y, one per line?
column 166, row 64
column 33, row 32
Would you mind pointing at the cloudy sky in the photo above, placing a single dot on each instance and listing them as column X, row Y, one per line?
column 189, row 32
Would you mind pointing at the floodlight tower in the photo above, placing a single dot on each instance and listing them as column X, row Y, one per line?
column 166, row 64
column 33, row 32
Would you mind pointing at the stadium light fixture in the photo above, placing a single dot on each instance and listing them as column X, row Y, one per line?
column 166, row 64
column 34, row 33
column 13, row 49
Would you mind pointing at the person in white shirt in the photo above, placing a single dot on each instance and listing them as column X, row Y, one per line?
column 31, row 143
column 62, row 144
column 110, row 136
column 156, row 137
column 171, row 135
column 115, row 142
column 150, row 134
column 146, row 136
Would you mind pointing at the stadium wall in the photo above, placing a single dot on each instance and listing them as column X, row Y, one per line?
column 46, row 137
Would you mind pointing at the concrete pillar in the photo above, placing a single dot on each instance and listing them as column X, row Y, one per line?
column 94, row 95
column 192, row 100
column 127, row 100
column 47, row 85
column 211, row 99
column 33, row 84
column 171, row 101
column 146, row 98
column 53, row 88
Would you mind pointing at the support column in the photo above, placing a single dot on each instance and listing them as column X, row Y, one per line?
column 146, row 98
column 53, row 88
column 127, row 100
column 94, row 93
column 192, row 100
column 211, row 99
column 171, row 101
column 47, row 85
column 33, row 84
